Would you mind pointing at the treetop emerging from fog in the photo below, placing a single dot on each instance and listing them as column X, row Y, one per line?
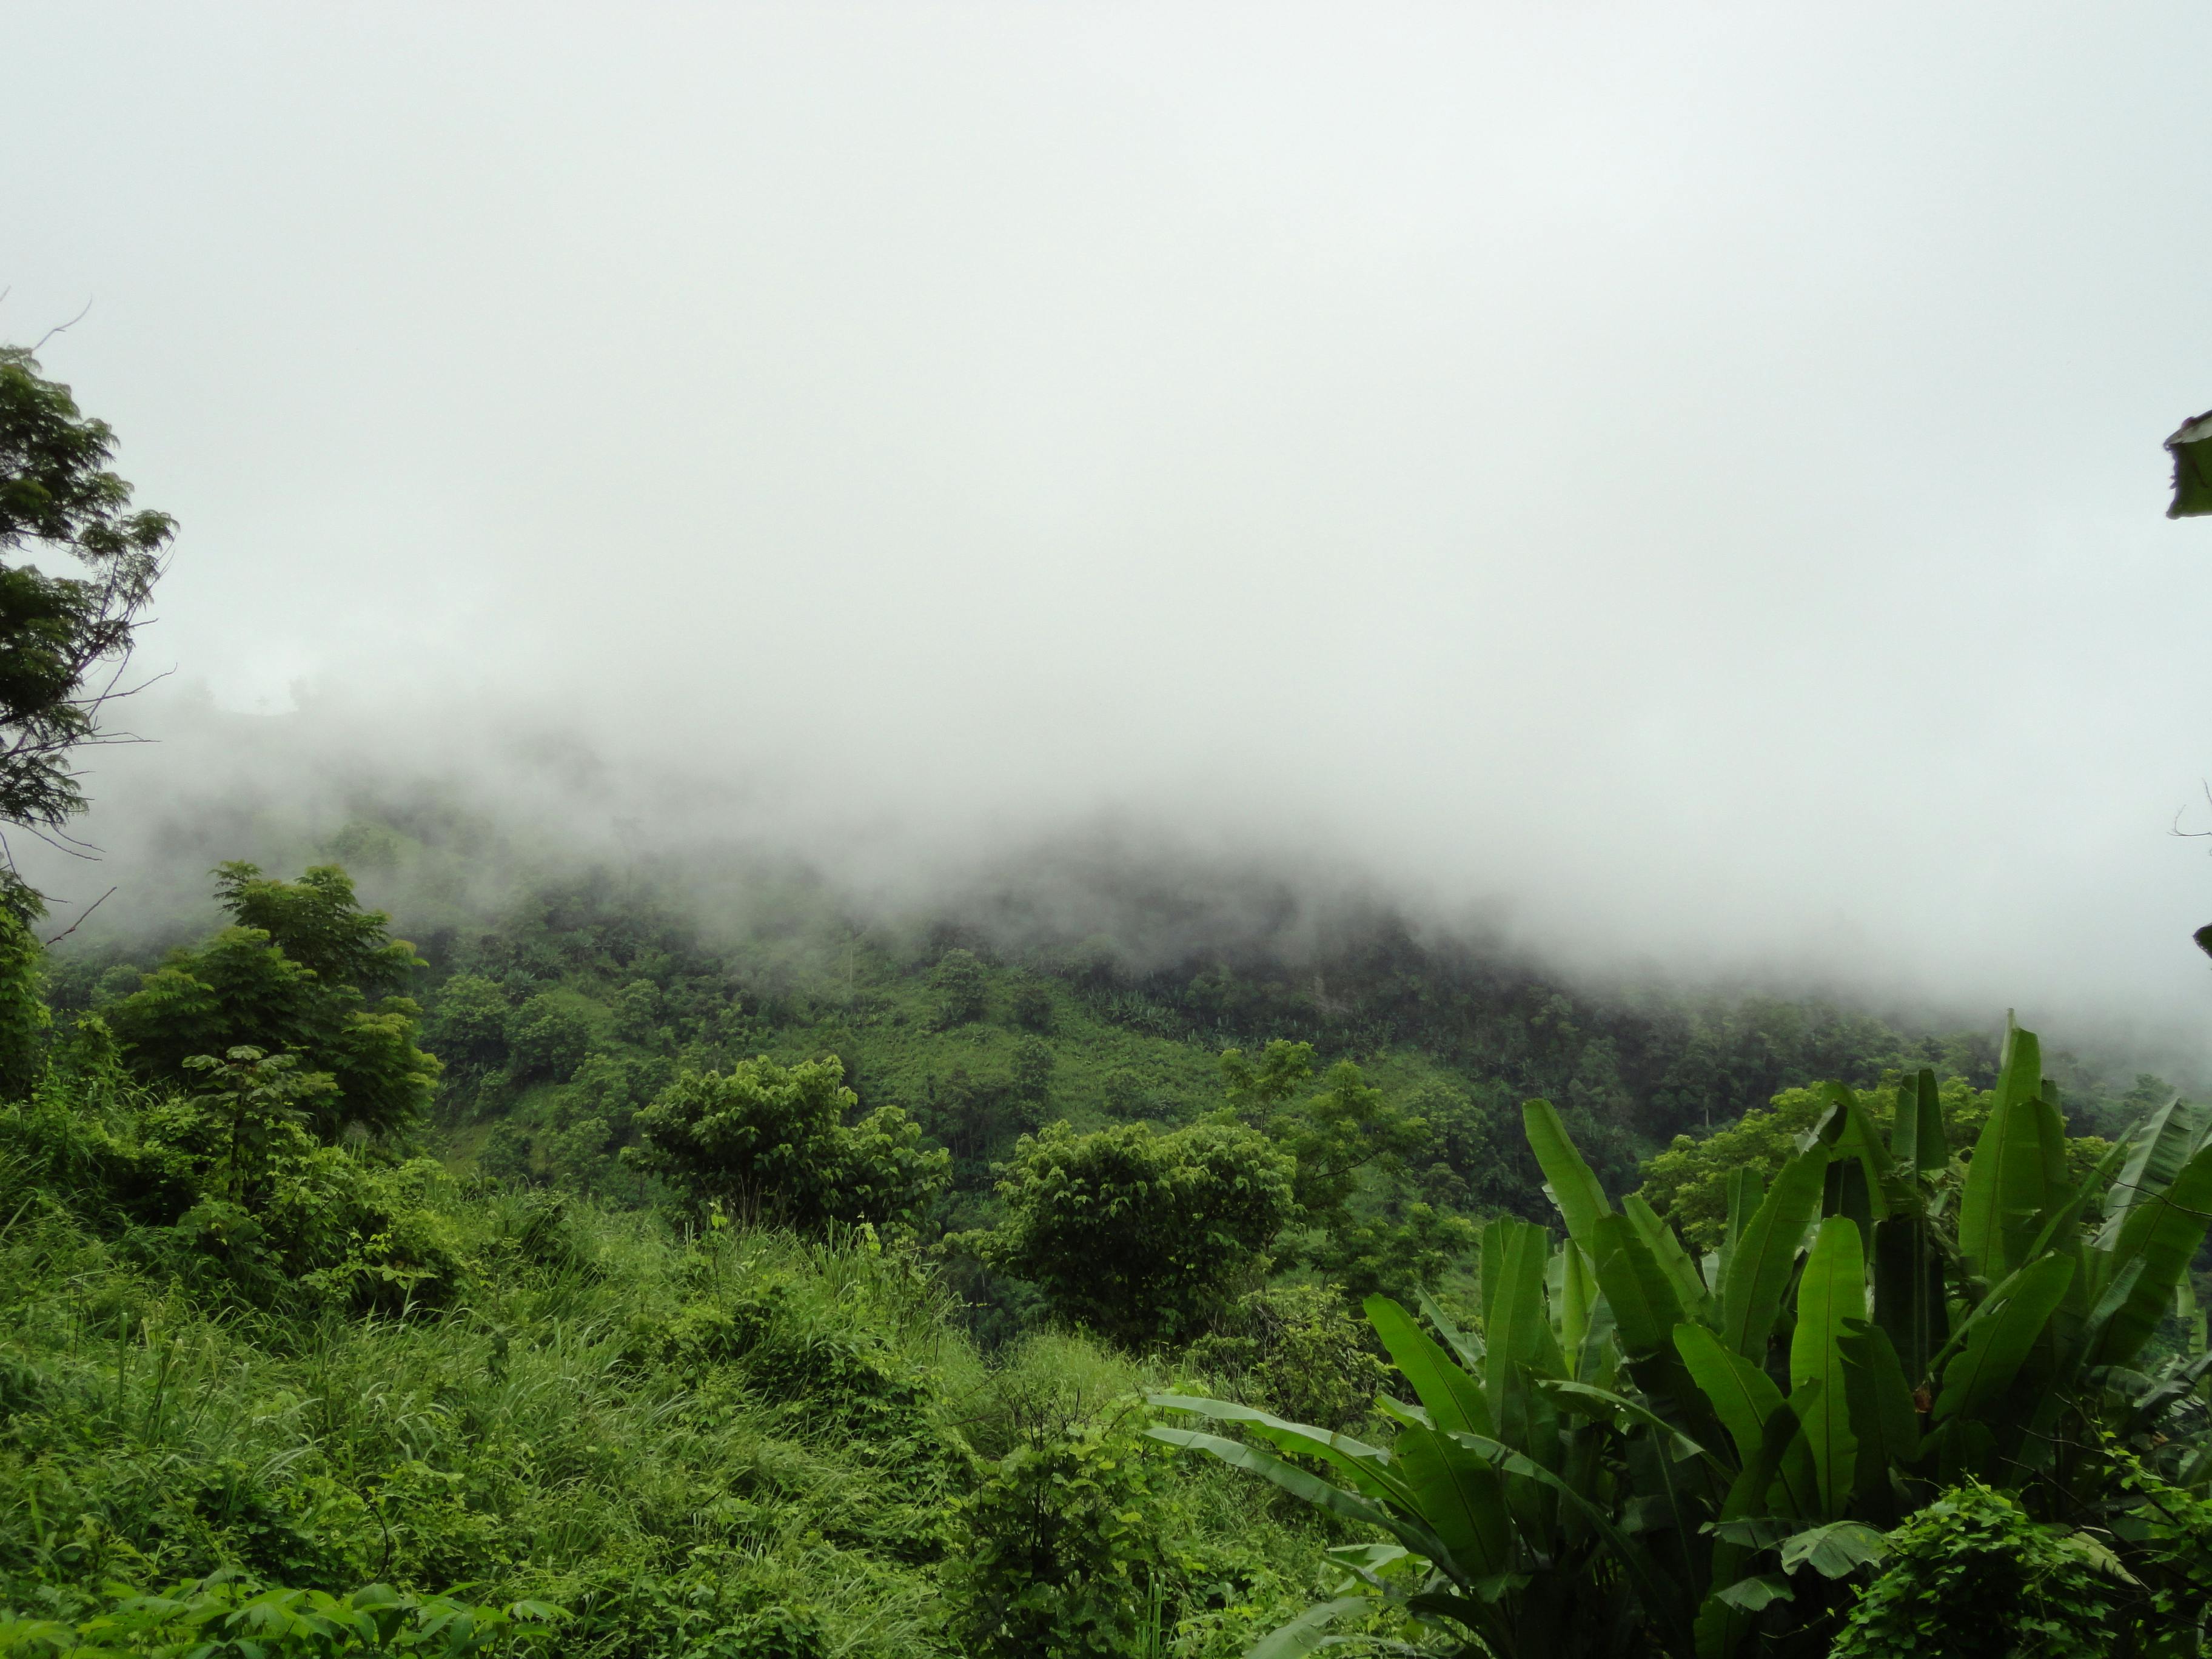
column 64, row 639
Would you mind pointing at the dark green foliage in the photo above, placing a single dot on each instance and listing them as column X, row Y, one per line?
column 1031, row 1079
column 23, row 1017
column 1139, row 1236
column 770, row 1142
column 547, row 1039
column 63, row 639
column 228, row 1615
column 1060, row 1551
column 1033, row 1009
column 1296, row 1350
column 1645, row 1454
column 1970, row 1576
column 253, row 985
column 467, row 1027
column 960, row 987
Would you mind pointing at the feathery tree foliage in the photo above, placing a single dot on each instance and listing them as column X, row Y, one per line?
column 64, row 639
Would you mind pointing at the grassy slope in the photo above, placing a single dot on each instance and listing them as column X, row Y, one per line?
column 675, row 1438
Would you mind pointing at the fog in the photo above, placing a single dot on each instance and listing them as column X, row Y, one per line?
column 1681, row 485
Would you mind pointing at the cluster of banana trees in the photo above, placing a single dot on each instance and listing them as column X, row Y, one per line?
column 1640, row 1452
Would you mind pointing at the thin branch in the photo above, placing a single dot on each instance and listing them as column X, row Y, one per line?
column 58, row 327
column 80, row 921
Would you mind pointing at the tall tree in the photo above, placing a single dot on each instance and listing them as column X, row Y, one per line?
column 64, row 639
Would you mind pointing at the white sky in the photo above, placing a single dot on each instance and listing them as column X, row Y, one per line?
column 1691, row 472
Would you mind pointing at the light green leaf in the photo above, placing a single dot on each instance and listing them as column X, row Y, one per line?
column 1832, row 1289
column 1567, row 1178
column 1307, row 1632
column 1758, row 1271
column 1752, row 1595
column 1460, row 1498
column 1636, row 1289
column 2162, row 1231
column 1834, row 1551
column 1666, row 1249
column 2005, row 1180
column 1452, row 1398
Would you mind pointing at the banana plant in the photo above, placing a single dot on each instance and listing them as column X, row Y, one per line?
column 1640, row 1452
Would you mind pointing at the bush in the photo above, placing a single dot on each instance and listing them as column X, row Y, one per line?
column 305, row 970
column 547, row 1038
column 960, row 988
column 1296, row 1350
column 1971, row 1575
column 1033, row 1009
column 1139, row 1236
column 1062, row 1551
column 770, row 1142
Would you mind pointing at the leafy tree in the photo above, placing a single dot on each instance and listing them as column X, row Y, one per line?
column 1062, row 1554
column 63, row 639
column 1033, row 1008
column 1032, row 1070
column 1139, row 1236
column 1296, row 1350
column 770, row 1142
column 468, row 1025
column 1254, row 1091
column 547, row 1039
column 23, row 1016
column 960, row 988
column 311, row 973
column 638, row 1013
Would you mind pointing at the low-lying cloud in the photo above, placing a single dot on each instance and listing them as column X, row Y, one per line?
column 1681, row 492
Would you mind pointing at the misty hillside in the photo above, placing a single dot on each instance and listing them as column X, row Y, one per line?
column 858, row 831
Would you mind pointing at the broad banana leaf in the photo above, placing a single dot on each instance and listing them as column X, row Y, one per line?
column 1308, row 1630
column 1909, row 1302
column 1759, row 1270
column 1659, row 1238
column 1832, row 1291
column 1452, row 1398
column 1917, row 1141
column 1311, row 1487
column 1368, row 1468
column 1665, row 1600
column 2163, row 1231
column 1567, row 1178
column 1999, row 1338
column 1460, row 1498
column 2168, row 1142
column 2005, row 1187
column 1638, row 1289
column 1743, row 1395
column 1883, row 1416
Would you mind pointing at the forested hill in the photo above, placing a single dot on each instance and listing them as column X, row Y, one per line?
column 563, row 1009
column 582, row 1278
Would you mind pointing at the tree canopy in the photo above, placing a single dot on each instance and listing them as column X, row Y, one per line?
column 64, row 639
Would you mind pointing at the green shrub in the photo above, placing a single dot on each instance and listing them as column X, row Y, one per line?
column 547, row 1039
column 770, row 1142
column 1139, row 1236
column 1970, row 1576
column 960, row 988
column 305, row 970
column 229, row 1616
column 1296, row 1350
column 1061, row 1552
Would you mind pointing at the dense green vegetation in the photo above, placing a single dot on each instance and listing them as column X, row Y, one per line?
column 804, row 1294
